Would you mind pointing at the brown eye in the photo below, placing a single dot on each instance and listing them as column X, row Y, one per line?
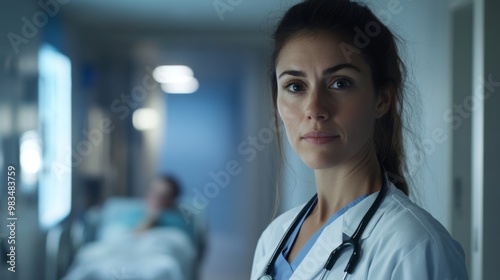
column 341, row 84
column 294, row 87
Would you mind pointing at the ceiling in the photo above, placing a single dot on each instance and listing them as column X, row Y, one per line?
column 217, row 15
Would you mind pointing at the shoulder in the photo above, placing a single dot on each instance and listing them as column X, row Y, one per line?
column 403, row 216
column 421, row 242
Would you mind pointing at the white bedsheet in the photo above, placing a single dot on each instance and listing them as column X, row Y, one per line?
column 159, row 253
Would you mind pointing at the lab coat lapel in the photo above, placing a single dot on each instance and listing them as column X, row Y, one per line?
column 264, row 260
column 332, row 237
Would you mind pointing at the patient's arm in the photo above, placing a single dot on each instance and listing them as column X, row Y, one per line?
column 149, row 222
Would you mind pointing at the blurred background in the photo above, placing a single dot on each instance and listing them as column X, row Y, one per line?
column 89, row 122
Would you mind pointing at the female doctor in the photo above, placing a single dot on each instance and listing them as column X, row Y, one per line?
column 337, row 84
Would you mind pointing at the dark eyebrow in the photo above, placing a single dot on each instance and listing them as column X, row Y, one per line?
column 328, row 71
column 296, row 73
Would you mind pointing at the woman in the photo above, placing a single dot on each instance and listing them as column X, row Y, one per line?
column 340, row 97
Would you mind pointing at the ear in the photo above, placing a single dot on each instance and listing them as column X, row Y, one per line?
column 383, row 103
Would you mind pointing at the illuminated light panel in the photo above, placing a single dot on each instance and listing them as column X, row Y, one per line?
column 30, row 153
column 189, row 86
column 54, row 100
column 177, row 79
column 171, row 73
column 145, row 118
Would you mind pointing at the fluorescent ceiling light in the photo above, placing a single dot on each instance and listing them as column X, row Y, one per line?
column 172, row 73
column 176, row 78
column 188, row 86
column 145, row 118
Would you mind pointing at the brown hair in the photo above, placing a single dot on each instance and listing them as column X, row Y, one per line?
column 347, row 19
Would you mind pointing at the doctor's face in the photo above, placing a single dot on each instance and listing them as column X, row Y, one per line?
column 326, row 100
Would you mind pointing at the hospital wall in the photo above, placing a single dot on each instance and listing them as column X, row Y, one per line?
column 18, row 113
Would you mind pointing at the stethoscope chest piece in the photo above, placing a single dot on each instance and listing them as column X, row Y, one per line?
column 265, row 277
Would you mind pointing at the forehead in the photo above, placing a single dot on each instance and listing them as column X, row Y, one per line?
column 319, row 50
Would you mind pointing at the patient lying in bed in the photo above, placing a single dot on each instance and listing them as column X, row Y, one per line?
column 138, row 240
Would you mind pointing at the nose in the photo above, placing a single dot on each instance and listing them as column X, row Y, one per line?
column 316, row 106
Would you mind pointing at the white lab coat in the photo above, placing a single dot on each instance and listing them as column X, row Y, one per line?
column 401, row 242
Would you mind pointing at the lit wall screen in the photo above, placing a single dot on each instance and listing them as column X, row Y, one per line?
column 55, row 131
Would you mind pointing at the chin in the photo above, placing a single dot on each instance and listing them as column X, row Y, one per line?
column 320, row 161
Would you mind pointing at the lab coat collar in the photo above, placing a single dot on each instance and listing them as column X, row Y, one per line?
column 332, row 236
column 353, row 217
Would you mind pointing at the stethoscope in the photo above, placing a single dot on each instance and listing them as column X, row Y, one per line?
column 352, row 242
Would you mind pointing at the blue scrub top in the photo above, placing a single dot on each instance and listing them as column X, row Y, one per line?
column 283, row 269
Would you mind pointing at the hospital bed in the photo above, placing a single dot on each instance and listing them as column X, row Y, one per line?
column 108, row 248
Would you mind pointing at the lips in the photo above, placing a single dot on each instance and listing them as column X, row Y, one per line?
column 319, row 137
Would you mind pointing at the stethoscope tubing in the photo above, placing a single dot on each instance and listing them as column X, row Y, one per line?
column 287, row 235
column 352, row 242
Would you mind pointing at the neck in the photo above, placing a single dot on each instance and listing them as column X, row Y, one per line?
column 341, row 184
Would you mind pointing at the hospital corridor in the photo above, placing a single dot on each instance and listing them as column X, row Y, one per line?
column 152, row 140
